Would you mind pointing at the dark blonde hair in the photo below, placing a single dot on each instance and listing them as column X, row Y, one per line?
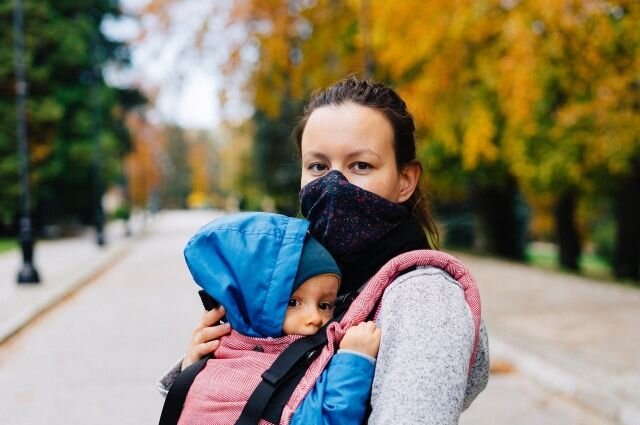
column 384, row 99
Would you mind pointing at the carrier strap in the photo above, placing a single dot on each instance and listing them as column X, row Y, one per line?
column 174, row 402
column 293, row 359
column 293, row 372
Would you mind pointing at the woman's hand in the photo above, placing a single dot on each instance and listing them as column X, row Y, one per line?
column 364, row 338
column 205, row 336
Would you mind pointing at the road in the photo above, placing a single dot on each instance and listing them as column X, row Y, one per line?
column 95, row 358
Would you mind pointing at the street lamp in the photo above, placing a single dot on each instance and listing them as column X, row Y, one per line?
column 97, row 128
column 28, row 272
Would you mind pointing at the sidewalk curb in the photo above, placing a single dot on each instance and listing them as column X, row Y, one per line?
column 597, row 398
column 31, row 301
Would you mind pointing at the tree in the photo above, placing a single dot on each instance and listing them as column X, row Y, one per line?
column 542, row 91
column 300, row 49
column 146, row 164
column 513, row 99
column 441, row 58
column 63, row 44
column 578, row 136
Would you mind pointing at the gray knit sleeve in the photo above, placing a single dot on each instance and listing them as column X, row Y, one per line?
column 427, row 338
column 479, row 375
column 166, row 380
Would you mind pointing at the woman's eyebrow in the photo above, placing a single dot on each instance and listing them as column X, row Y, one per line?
column 363, row 152
column 316, row 155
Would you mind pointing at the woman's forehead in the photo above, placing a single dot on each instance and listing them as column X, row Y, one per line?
column 348, row 127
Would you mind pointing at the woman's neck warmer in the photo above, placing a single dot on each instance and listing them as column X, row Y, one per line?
column 360, row 229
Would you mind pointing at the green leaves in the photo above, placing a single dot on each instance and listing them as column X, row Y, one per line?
column 62, row 44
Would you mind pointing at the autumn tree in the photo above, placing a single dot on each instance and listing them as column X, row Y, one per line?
column 514, row 100
column 530, row 94
column 299, row 48
column 147, row 163
column 573, row 124
column 441, row 58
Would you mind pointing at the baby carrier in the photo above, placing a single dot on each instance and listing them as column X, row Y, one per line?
column 290, row 375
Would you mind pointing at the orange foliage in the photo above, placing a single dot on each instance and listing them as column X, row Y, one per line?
column 143, row 166
column 544, row 89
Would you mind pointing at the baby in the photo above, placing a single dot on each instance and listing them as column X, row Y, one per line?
column 276, row 284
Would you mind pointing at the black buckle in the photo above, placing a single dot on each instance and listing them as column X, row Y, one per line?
column 270, row 378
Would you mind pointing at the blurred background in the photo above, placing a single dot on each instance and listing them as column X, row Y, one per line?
column 528, row 116
column 527, row 112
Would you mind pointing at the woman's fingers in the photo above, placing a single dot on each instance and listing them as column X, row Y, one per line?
column 198, row 351
column 202, row 335
column 205, row 336
column 211, row 317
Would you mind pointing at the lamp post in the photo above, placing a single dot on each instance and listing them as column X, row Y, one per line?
column 28, row 272
column 97, row 128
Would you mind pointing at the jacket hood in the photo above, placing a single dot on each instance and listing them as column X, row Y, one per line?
column 248, row 263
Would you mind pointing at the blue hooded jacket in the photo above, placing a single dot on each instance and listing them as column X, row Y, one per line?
column 248, row 263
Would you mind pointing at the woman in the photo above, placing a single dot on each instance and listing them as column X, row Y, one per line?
column 360, row 193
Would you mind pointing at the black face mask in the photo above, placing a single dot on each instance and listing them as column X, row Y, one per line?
column 346, row 218
column 362, row 230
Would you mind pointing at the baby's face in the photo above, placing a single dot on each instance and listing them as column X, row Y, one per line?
column 311, row 305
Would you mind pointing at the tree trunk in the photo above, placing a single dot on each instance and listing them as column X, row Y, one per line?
column 626, row 262
column 502, row 224
column 566, row 231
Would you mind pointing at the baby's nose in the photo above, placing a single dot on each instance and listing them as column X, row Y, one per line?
column 314, row 318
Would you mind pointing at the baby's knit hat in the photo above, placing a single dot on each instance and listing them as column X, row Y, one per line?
column 315, row 260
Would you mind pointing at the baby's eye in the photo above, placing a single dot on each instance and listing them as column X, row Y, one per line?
column 326, row 306
column 293, row 303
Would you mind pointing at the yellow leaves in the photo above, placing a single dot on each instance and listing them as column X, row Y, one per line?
column 514, row 152
column 517, row 67
column 40, row 152
column 478, row 142
column 542, row 224
column 235, row 157
column 198, row 200
column 142, row 164
column 547, row 87
column 408, row 31
column 197, row 155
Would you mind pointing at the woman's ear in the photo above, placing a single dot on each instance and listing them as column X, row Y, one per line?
column 409, row 177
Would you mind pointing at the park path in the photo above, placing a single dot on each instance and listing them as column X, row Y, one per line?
column 577, row 336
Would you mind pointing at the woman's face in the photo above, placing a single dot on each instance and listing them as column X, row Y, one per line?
column 358, row 142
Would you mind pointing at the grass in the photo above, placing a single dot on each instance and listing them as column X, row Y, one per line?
column 7, row 244
column 546, row 255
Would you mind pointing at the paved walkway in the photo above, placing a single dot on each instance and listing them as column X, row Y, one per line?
column 64, row 265
column 577, row 337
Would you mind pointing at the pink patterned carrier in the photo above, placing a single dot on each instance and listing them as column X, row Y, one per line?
column 220, row 392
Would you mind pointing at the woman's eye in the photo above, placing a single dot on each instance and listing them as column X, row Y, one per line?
column 317, row 167
column 361, row 166
column 293, row 303
column 326, row 306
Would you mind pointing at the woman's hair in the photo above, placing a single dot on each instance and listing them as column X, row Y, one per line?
column 384, row 99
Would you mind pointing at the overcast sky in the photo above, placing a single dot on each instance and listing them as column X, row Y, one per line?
column 186, row 81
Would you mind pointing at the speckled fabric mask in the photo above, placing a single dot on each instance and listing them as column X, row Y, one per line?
column 345, row 218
